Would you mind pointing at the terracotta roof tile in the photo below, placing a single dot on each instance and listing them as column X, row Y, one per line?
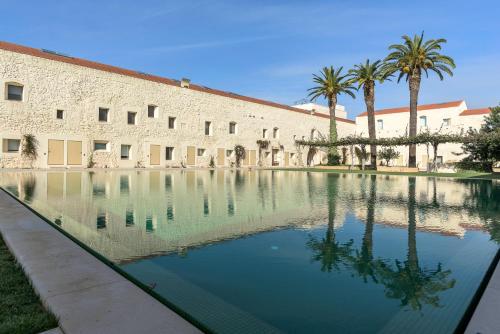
column 139, row 75
column 420, row 107
column 471, row 112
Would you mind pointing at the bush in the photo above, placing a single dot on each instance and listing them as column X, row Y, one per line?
column 333, row 159
column 478, row 166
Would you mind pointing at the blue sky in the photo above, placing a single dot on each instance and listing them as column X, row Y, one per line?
column 268, row 49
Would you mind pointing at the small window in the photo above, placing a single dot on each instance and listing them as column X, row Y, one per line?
column 59, row 114
column 423, row 120
column 276, row 133
column 264, row 133
column 131, row 118
column 11, row 145
column 14, row 92
column 169, row 153
column 125, row 152
column 232, row 128
column 101, row 145
column 171, row 122
column 103, row 114
column 201, row 152
column 208, row 128
column 229, row 153
column 380, row 124
column 446, row 121
column 439, row 159
column 152, row 111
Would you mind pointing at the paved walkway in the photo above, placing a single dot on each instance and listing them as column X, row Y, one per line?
column 85, row 295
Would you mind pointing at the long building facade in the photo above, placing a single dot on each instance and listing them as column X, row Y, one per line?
column 87, row 114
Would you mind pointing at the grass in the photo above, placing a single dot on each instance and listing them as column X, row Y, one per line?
column 464, row 174
column 20, row 308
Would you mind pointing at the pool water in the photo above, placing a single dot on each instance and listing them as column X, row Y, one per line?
column 284, row 251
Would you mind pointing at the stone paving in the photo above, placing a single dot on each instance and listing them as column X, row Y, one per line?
column 85, row 294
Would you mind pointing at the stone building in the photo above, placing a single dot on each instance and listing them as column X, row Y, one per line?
column 88, row 114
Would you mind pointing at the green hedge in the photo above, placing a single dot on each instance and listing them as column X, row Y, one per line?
column 478, row 166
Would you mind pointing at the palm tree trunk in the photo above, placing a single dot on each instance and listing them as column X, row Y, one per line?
column 369, row 92
column 414, row 85
column 412, row 225
column 332, row 104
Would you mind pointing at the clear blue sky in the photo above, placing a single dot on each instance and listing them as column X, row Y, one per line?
column 268, row 49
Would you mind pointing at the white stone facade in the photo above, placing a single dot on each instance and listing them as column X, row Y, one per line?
column 79, row 88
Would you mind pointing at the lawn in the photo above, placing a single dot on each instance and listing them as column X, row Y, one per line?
column 465, row 174
column 20, row 308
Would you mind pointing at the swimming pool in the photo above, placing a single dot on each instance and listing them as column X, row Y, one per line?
column 284, row 251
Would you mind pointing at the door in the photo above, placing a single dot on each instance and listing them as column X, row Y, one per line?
column 191, row 155
column 274, row 157
column 56, row 152
column 154, row 155
column 287, row 159
column 74, row 152
column 252, row 161
column 221, row 156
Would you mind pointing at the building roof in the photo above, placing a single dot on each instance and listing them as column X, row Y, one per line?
column 419, row 108
column 46, row 54
column 471, row 112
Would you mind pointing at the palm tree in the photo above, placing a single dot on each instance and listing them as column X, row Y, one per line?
column 410, row 59
column 366, row 75
column 330, row 84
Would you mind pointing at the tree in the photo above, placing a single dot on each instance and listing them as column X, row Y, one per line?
column 410, row 59
column 388, row 154
column 366, row 75
column 362, row 155
column 330, row 84
column 240, row 153
column 486, row 147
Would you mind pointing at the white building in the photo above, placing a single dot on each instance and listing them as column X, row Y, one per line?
column 85, row 113
column 445, row 118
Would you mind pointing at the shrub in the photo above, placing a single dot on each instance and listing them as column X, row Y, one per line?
column 333, row 159
column 388, row 154
column 30, row 147
column 211, row 164
column 239, row 152
column 478, row 166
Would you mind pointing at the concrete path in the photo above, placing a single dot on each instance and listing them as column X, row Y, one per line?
column 85, row 295
column 486, row 317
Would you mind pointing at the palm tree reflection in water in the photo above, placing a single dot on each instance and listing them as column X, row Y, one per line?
column 407, row 281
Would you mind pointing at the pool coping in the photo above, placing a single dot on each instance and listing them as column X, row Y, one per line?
column 87, row 295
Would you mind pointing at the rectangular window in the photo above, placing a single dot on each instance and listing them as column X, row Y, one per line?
column 201, row 152
column 125, row 152
column 101, row 145
column 276, row 133
column 11, row 145
column 264, row 133
column 103, row 114
column 380, row 124
column 446, row 121
column 171, row 122
column 423, row 120
column 152, row 111
column 439, row 159
column 14, row 92
column 169, row 153
column 229, row 153
column 232, row 128
column 208, row 128
column 131, row 116
column 59, row 114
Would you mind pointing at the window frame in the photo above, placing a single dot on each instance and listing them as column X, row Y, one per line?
column 174, row 122
column 202, row 150
column 380, row 124
column 209, row 128
column 276, row 133
column 7, row 141
column 8, row 94
column 155, row 111
column 128, row 157
column 99, row 115
column 423, row 118
column 265, row 134
column 105, row 142
column 62, row 114
column 233, row 128
column 128, row 117
column 172, row 152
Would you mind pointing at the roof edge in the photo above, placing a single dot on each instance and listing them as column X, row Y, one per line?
column 7, row 46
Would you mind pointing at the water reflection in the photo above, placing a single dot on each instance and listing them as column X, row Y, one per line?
column 394, row 239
